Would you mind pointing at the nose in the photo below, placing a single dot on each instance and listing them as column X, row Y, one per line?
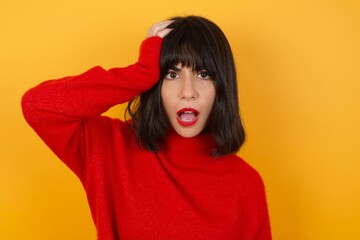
column 188, row 89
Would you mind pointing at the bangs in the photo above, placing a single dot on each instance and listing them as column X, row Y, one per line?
column 197, row 43
column 187, row 46
column 184, row 54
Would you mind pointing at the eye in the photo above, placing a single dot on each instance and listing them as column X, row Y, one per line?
column 171, row 75
column 204, row 75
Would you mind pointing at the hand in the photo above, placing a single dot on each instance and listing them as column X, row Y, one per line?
column 160, row 29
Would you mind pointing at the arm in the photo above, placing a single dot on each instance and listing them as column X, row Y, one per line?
column 58, row 109
column 263, row 230
column 95, row 91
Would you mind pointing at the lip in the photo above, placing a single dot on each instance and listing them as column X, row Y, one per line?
column 187, row 123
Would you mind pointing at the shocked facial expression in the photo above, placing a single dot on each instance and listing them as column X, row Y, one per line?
column 188, row 97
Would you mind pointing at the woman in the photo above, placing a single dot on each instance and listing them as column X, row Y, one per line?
column 169, row 172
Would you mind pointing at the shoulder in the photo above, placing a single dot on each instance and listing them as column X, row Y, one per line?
column 244, row 172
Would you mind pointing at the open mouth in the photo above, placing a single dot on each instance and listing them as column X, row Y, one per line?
column 187, row 116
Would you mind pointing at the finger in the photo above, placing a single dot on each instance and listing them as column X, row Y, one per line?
column 163, row 24
column 155, row 28
column 162, row 33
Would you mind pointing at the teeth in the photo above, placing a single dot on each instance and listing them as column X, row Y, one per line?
column 188, row 112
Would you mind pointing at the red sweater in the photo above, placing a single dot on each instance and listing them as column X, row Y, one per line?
column 182, row 192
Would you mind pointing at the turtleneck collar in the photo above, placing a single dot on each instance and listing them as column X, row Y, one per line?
column 202, row 143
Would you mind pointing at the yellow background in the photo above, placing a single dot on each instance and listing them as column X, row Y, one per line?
column 298, row 65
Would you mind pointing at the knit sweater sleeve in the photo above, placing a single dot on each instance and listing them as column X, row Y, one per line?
column 57, row 109
column 263, row 230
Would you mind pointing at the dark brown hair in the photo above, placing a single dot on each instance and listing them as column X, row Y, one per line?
column 200, row 44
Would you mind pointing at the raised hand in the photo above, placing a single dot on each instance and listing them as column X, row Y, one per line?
column 159, row 29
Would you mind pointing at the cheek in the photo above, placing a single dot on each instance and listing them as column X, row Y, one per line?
column 210, row 96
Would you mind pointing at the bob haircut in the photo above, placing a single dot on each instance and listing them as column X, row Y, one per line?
column 197, row 43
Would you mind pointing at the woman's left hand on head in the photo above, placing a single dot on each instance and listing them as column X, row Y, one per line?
column 159, row 29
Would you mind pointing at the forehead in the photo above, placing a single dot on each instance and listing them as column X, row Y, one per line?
column 188, row 48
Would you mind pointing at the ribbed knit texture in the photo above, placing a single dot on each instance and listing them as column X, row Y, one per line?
column 182, row 192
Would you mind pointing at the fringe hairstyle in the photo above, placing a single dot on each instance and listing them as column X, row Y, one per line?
column 198, row 43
